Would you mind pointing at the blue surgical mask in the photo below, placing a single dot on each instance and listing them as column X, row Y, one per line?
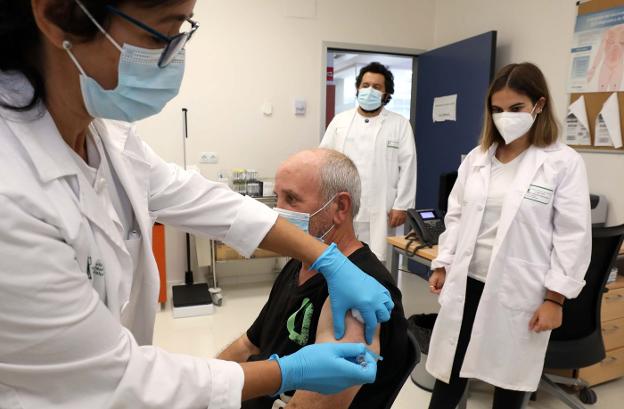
column 369, row 99
column 143, row 88
column 302, row 220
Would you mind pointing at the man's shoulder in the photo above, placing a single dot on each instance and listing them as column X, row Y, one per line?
column 368, row 262
column 287, row 273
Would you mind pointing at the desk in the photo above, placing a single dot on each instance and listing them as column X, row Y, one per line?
column 399, row 246
column 422, row 256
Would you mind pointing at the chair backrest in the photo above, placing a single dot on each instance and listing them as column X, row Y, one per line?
column 447, row 181
column 578, row 342
column 412, row 359
column 581, row 316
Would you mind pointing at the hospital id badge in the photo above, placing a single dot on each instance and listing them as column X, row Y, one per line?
column 539, row 194
column 393, row 144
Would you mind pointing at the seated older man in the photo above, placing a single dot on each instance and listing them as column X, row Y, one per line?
column 319, row 190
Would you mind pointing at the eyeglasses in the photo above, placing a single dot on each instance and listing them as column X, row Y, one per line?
column 174, row 43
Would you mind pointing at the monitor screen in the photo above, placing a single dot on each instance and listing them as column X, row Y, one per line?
column 427, row 215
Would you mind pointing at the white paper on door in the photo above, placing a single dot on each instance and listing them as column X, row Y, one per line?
column 445, row 108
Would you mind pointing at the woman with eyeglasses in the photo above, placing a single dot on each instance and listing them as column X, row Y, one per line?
column 79, row 193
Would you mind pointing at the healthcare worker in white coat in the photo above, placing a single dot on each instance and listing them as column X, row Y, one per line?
column 381, row 144
column 517, row 244
column 79, row 193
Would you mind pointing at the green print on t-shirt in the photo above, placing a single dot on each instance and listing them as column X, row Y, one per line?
column 302, row 337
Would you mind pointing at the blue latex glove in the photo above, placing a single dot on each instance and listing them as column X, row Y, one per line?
column 327, row 368
column 350, row 288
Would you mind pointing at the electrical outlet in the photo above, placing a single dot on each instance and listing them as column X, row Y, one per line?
column 209, row 158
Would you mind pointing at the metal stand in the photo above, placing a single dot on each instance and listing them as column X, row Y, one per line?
column 190, row 299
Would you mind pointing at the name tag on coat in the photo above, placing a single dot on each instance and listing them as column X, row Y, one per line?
column 539, row 194
column 393, row 144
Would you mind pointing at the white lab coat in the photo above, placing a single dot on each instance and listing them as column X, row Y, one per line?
column 393, row 169
column 60, row 346
column 538, row 246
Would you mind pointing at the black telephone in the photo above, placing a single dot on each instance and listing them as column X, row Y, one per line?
column 426, row 224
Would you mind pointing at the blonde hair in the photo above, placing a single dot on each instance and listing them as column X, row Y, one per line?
column 525, row 79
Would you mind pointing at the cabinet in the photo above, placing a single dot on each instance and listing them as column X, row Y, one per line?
column 158, row 248
column 222, row 253
column 612, row 322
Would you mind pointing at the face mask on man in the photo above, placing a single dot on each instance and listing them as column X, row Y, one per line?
column 143, row 88
column 369, row 99
column 512, row 125
column 302, row 220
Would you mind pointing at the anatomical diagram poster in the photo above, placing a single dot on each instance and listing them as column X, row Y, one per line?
column 598, row 52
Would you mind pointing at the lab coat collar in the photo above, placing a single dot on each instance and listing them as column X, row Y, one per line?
column 46, row 147
column 383, row 114
column 116, row 137
column 485, row 158
column 132, row 170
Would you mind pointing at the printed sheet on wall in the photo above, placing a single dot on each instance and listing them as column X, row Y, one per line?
column 598, row 52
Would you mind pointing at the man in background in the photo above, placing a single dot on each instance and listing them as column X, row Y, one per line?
column 381, row 144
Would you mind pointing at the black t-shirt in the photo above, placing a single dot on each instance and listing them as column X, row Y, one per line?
column 289, row 319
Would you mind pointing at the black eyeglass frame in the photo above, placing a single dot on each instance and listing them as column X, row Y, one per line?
column 174, row 43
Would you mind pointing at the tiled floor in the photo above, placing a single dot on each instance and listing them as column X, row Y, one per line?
column 206, row 336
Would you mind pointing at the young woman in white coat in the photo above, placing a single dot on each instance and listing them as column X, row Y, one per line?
column 517, row 244
column 79, row 193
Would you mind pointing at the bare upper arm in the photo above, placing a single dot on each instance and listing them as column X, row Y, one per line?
column 354, row 332
column 239, row 350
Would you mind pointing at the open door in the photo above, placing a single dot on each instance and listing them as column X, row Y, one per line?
column 465, row 69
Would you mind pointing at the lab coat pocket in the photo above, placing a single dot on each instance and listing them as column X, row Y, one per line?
column 392, row 150
column 447, row 288
column 8, row 398
column 537, row 204
column 519, row 325
column 522, row 285
column 444, row 294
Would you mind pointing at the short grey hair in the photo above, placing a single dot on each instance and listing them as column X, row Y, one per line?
column 338, row 174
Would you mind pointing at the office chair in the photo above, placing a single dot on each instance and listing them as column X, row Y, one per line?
column 412, row 359
column 578, row 342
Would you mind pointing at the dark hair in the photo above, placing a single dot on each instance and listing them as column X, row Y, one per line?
column 19, row 47
column 525, row 79
column 378, row 68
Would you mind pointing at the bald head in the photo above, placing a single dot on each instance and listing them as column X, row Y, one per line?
column 308, row 179
column 298, row 178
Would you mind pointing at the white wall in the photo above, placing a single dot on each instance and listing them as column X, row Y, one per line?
column 540, row 32
column 247, row 52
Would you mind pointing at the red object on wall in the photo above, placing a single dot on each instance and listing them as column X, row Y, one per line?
column 330, row 74
column 158, row 247
column 330, row 104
